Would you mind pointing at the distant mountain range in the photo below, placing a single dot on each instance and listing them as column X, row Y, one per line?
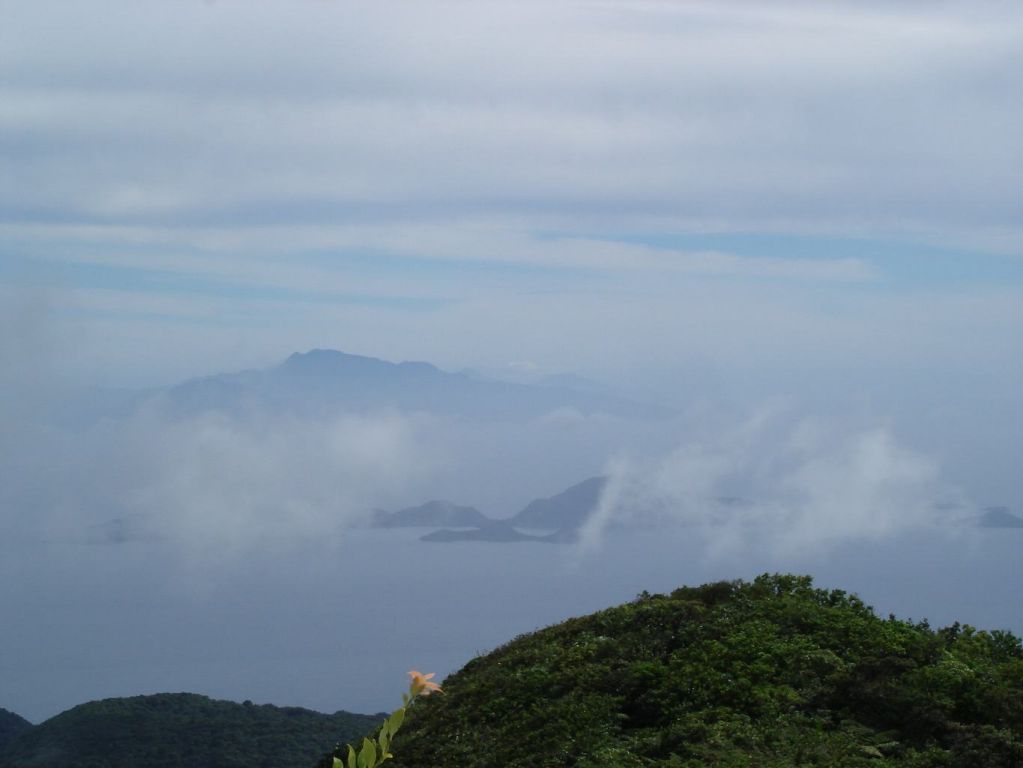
column 568, row 509
column 177, row 730
column 322, row 381
column 554, row 520
column 563, row 515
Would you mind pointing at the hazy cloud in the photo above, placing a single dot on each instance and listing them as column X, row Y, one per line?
column 219, row 485
column 787, row 485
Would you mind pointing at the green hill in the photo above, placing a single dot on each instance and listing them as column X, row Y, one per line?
column 768, row 674
column 181, row 730
column 10, row 726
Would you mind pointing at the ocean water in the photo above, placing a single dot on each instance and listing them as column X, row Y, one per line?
column 335, row 622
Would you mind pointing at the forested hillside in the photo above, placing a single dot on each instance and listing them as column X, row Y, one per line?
column 11, row 725
column 181, row 730
column 772, row 674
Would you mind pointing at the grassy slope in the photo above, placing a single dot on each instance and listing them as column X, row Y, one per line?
column 186, row 730
column 772, row 674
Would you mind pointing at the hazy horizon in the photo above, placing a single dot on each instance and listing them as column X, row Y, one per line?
column 789, row 235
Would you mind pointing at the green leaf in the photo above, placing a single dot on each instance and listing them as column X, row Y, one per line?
column 368, row 754
column 395, row 720
column 352, row 762
column 385, row 742
column 338, row 763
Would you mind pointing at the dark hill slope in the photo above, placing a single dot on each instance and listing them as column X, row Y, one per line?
column 10, row 726
column 769, row 674
column 181, row 730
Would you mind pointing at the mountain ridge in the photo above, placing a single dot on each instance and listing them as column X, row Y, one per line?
column 563, row 514
column 181, row 730
column 322, row 380
column 11, row 725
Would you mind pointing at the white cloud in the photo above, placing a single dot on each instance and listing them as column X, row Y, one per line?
column 788, row 486
column 214, row 487
column 217, row 485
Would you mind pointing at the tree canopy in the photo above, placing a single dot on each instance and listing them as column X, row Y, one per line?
column 181, row 730
column 773, row 673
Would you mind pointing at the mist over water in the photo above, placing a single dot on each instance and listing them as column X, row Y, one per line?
column 226, row 551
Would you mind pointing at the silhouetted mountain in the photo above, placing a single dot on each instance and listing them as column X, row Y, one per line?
column 432, row 514
column 562, row 514
column 11, row 725
column 565, row 513
column 181, row 730
column 566, row 510
column 323, row 381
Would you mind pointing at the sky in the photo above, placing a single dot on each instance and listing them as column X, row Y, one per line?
column 684, row 200
column 203, row 186
column 797, row 224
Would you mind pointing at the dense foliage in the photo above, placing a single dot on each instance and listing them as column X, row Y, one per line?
column 11, row 725
column 181, row 730
column 772, row 674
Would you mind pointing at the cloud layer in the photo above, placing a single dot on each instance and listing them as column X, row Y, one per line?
column 849, row 118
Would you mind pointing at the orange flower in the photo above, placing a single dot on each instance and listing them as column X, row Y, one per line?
column 421, row 683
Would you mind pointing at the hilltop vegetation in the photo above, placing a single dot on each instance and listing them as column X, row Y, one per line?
column 771, row 674
column 180, row 730
column 11, row 725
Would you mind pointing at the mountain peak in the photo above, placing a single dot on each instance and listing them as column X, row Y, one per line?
column 321, row 381
column 320, row 358
column 317, row 361
column 568, row 509
column 11, row 724
column 160, row 729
